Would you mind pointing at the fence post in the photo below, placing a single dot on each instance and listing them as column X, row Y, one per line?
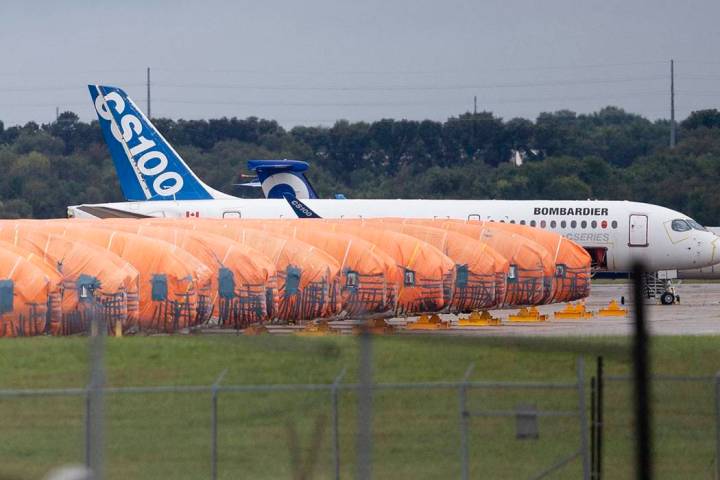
column 464, row 427
column 584, row 447
column 593, row 428
column 599, row 416
column 94, row 445
column 717, row 425
column 87, row 426
column 213, row 425
column 365, row 408
column 336, row 423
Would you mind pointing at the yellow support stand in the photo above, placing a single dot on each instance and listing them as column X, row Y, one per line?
column 574, row 311
column 479, row 319
column 317, row 328
column 375, row 326
column 255, row 330
column 428, row 323
column 613, row 310
column 528, row 315
column 118, row 329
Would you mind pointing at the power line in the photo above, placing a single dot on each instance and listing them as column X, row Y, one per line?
column 409, row 72
column 57, row 88
column 408, row 87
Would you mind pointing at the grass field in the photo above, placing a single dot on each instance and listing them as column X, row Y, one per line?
column 416, row 433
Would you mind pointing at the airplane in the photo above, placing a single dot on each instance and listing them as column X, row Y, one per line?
column 157, row 182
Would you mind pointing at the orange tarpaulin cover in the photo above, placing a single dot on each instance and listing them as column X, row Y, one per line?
column 428, row 274
column 307, row 276
column 174, row 285
column 79, row 263
column 531, row 266
column 25, row 289
column 248, row 275
column 370, row 278
column 482, row 272
column 572, row 262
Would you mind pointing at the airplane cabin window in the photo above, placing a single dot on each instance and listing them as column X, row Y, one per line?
column 696, row 225
column 543, row 223
column 522, row 222
column 533, row 223
column 553, row 224
column 563, row 224
column 614, row 224
column 512, row 221
column 583, row 224
column 604, row 224
column 593, row 224
column 573, row 224
column 680, row 225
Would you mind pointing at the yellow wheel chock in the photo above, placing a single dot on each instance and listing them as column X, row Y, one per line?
column 574, row 311
column 432, row 322
column 528, row 315
column 613, row 310
column 479, row 319
column 375, row 326
column 317, row 328
column 255, row 330
column 118, row 329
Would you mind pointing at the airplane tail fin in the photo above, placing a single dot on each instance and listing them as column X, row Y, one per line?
column 280, row 177
column 300, row 209
column 148, row 167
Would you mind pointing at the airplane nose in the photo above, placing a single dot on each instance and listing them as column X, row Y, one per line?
column 709, row 251
column 715, row 250
column 704, row 250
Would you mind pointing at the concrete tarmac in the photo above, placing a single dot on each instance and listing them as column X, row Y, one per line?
column 698, row 313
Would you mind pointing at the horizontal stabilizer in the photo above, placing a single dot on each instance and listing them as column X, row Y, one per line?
column 279, row 177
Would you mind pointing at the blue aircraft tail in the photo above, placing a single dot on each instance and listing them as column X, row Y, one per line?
column 300, row 209
column 279, row 178
column 147, row 165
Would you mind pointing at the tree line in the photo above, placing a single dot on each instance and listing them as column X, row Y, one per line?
column 610, row 154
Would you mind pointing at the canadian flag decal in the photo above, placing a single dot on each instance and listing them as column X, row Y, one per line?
column 189, row 214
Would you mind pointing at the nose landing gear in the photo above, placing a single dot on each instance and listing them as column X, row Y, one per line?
column 667, row 298
column 660, row 286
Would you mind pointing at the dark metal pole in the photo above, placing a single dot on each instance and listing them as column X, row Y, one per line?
column 582, row 409
column 600, row 406
column 673, row 126
column 149, row 113
column 593, row 426
column 641, row 366
column 717, row 425
column 94, row 416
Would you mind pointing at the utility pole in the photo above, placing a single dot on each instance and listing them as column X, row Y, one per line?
column 149, row 114
column 673, row 126
column 57, row 113
column 474, row 120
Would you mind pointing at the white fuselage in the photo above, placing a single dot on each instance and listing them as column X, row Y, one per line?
column 624, row 232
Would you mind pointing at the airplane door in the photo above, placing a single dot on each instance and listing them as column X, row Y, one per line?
column 638, row 231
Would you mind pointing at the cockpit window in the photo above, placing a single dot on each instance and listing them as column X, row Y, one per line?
column 696, row 225
column 680, row 225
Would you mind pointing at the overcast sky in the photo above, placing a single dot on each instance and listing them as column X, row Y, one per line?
column 312, row 62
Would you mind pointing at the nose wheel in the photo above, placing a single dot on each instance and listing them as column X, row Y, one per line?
column 667, row 298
